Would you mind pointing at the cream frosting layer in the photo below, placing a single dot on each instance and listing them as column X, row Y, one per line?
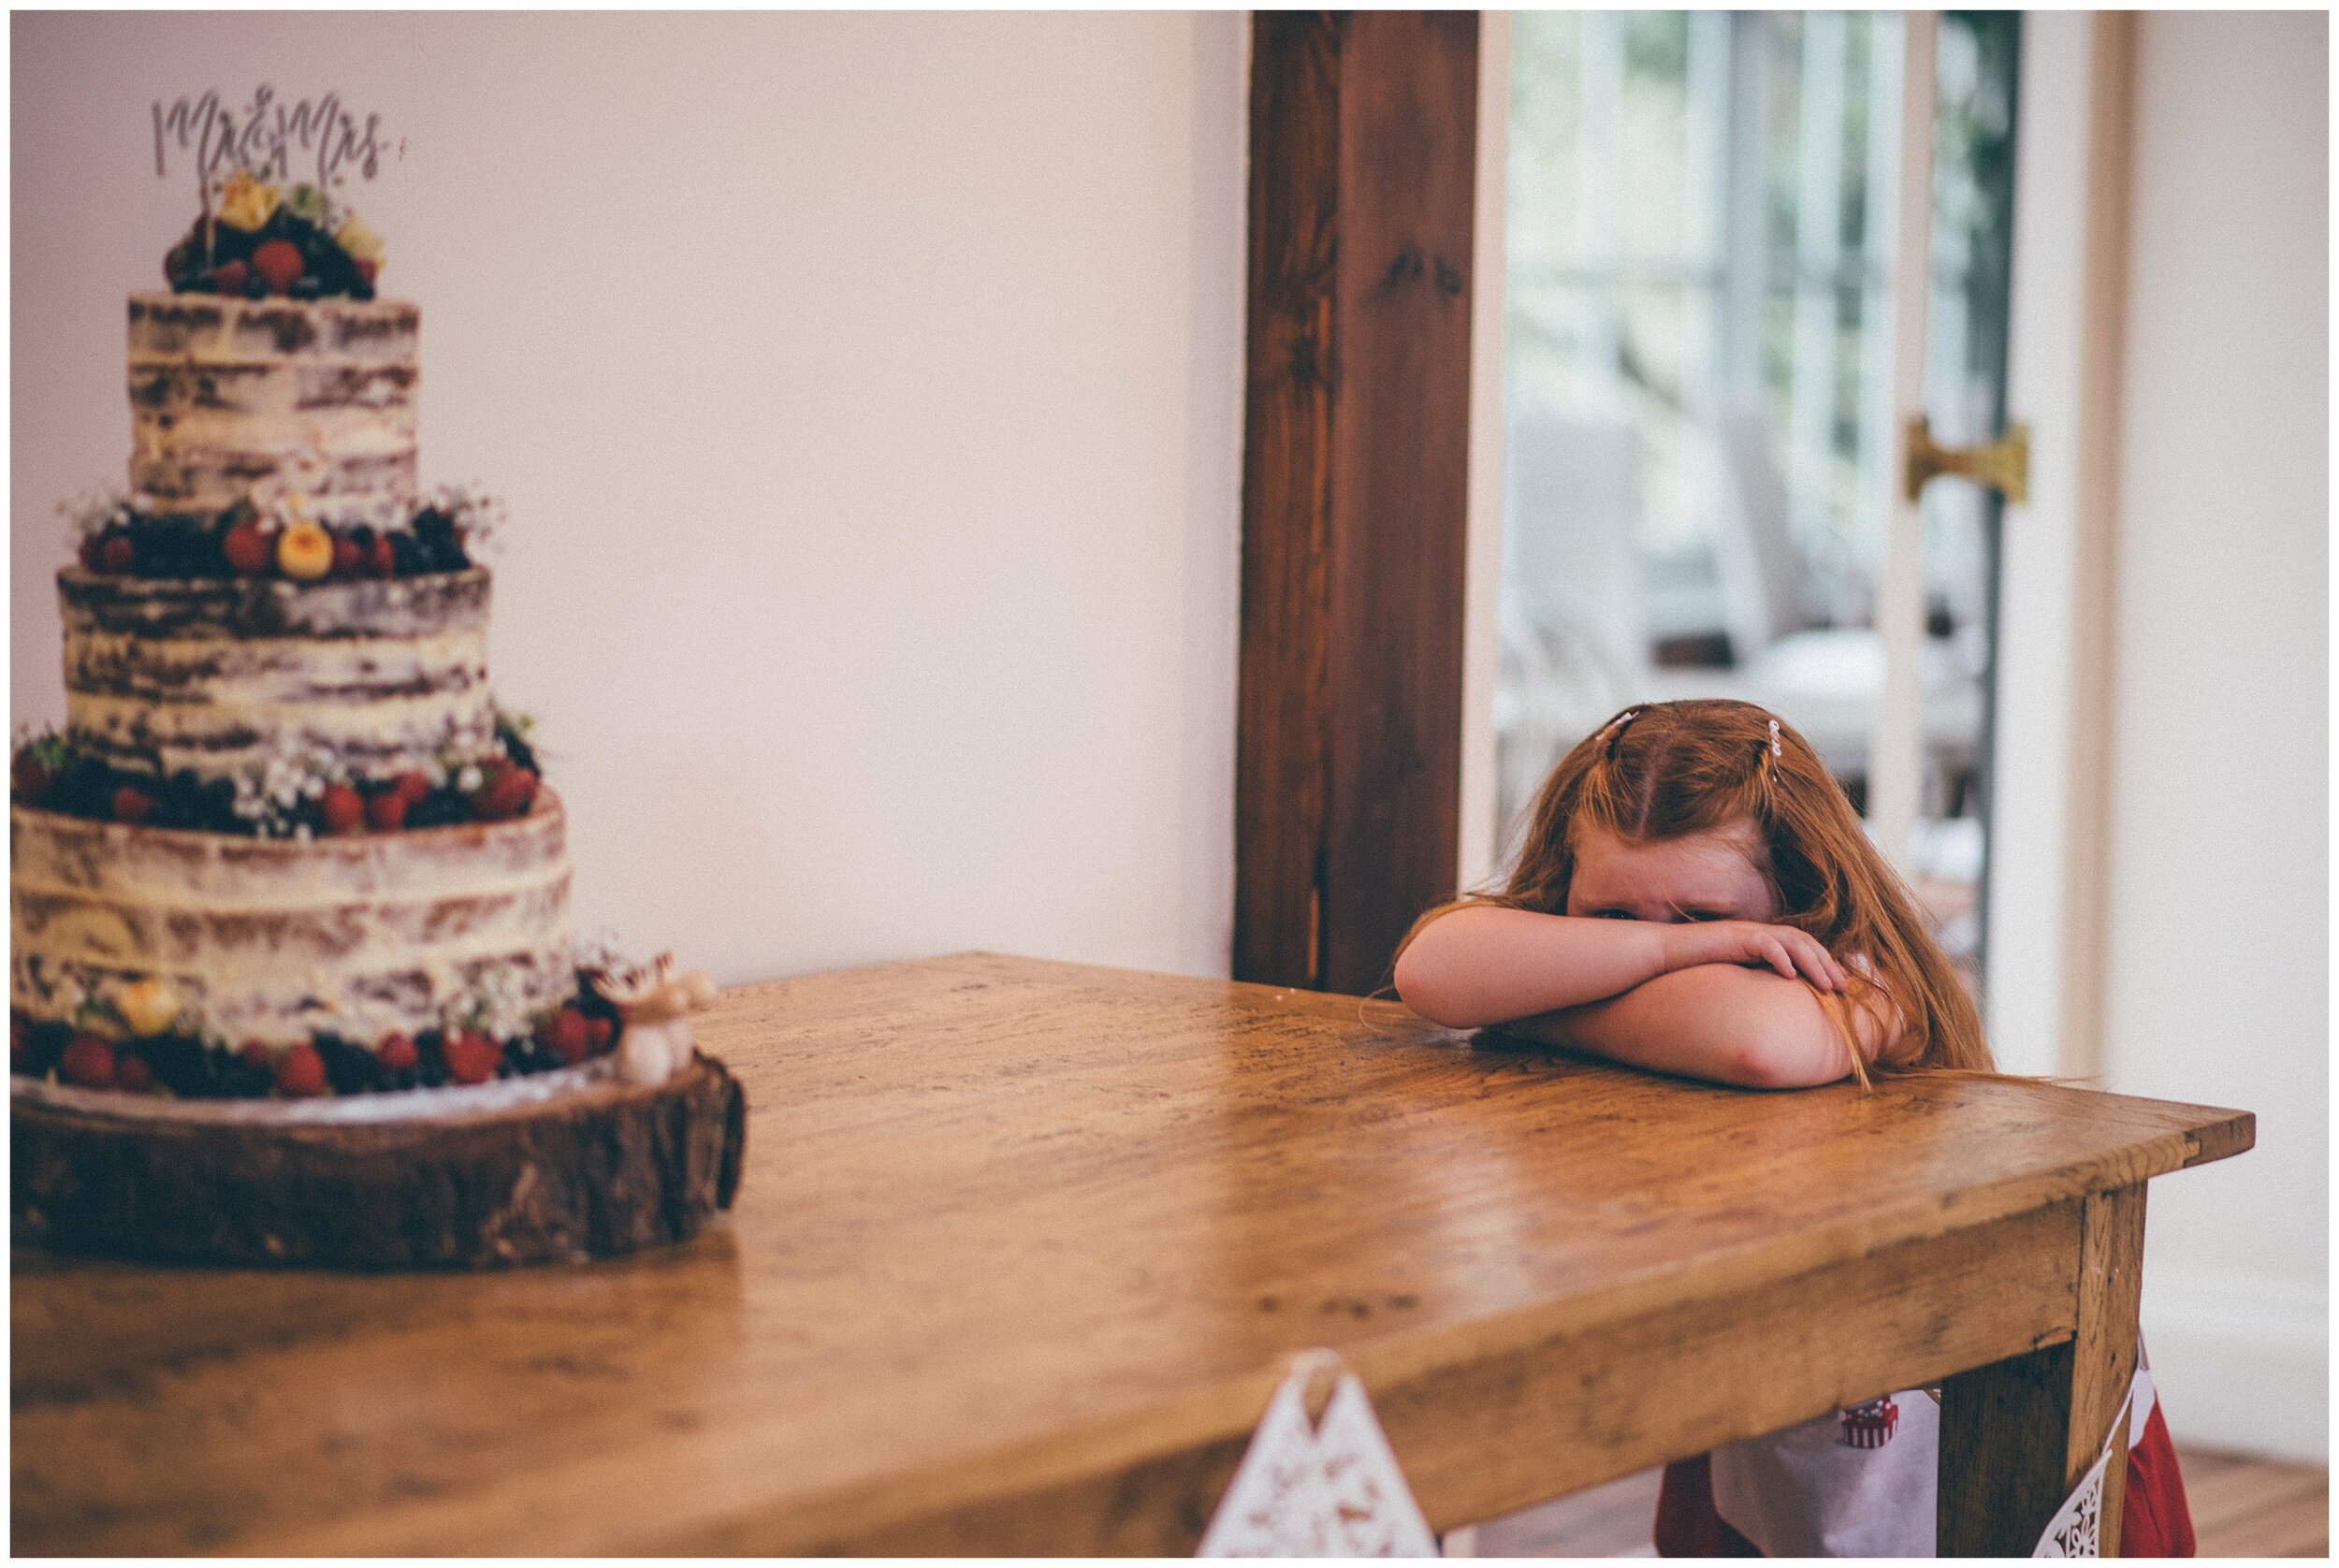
column 277, row 940
column 218, row 676
column 232, row 398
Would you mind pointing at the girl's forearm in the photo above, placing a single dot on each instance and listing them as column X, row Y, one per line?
column 1482, row 964
column 1720, row 1021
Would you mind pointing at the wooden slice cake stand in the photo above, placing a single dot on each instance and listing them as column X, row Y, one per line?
column 570, row 1165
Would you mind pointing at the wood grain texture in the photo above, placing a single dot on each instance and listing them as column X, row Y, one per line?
column 2017, row 1436
column 1020, row 1251
column 1363, row 148
column 594, row 1172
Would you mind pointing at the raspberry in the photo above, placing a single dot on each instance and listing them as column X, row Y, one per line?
column 387, row 811
column 603, row 1032
column 367, row 267
column 567, row 1036
column 228, row 277
column 250, row 553
column 472, row 1057
column 88, row 1060
column 382, row 557
column 256, row 1053
column 348, row 556
column 132, row 1073
column 411, row 784
column 396, row 1053
column 344, row 809
column 507, row 794
column 279, row 262
column 116, row 555
column 131, row 806
column 300, row 1072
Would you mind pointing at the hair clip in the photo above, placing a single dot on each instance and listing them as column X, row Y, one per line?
column 1774, row 737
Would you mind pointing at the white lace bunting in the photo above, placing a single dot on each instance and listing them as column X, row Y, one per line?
column 1328, row 1489
column 2077, row 1527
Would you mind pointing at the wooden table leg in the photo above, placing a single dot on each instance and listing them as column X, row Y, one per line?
column 2018, row 1435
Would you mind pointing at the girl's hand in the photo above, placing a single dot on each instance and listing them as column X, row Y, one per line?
column 1756, row 944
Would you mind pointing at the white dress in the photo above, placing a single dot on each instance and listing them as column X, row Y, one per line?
column 1857, row 1483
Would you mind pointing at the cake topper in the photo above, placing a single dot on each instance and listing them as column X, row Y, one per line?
column 264, row 136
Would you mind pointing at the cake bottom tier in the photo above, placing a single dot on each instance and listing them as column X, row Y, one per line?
column 279, row 940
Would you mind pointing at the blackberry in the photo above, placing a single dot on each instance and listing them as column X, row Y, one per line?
column 430, row 1054
column 44, row 1043
column 351, row 1069
column 183, row 1065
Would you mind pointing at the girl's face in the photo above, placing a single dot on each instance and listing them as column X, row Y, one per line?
column 1713, row 875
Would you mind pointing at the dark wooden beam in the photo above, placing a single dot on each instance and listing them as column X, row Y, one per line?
column 1348, row 744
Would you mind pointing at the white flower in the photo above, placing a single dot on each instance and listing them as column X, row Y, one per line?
column 469, row 780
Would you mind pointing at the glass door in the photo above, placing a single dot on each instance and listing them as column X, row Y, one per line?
column 1698, row 366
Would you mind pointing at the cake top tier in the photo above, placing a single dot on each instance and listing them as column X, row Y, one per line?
column 263, row 242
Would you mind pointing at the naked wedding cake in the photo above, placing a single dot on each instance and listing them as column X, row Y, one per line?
column 287, row 844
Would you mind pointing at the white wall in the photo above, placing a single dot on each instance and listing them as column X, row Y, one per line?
column 2217, row 973
column 865, row 390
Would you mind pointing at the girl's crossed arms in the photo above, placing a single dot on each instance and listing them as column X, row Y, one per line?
column 1696, row 897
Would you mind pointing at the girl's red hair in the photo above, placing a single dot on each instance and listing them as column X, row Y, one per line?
column 1664, row 770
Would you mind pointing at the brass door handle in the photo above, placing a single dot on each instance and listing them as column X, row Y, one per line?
column 2003, row 464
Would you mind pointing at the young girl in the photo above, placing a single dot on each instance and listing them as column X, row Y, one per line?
column 1695, row 896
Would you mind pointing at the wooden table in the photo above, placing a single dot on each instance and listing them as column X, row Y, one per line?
column 1021, row 1248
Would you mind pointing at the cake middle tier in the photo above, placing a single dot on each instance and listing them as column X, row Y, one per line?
column 221, row 676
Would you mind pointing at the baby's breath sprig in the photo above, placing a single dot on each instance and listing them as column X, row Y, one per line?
column 479, row 514
column 93, row 513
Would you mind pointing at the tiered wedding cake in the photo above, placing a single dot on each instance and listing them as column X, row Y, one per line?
column 287, row 844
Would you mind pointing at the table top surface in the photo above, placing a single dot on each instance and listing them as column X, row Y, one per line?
column 998, row 1216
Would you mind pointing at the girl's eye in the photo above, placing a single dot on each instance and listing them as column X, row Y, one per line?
column 1612, row 914
column 1705, row 914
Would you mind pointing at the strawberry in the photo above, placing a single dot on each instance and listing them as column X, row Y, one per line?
column 472, row 1057
column 396, row 1053
column 348, row 556
column 94, row 552
column 567, row 1036
column 387, row 811
column 344, row 809
column 508, row 793
column 228, row 277
column 603, row 1033
column 279, row 262
column 382, row 557
column 250, row 553
column 131, row 806
column 132, row 1073
column 300, row 1072
column 411, row 784
column 116, row 555
column 367, row 267
column 88, row 1060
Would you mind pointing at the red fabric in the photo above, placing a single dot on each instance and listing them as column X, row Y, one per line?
column 1686, row 1524
column 2153, row 1521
